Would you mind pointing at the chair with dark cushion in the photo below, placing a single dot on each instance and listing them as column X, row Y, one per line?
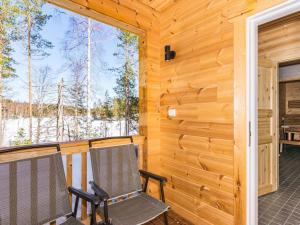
column 33, row 192
column 116, row 176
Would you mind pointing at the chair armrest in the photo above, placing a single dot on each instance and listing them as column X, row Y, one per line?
column 84, row 195
column 161, row 180
column 99, row 191
column 147, row 174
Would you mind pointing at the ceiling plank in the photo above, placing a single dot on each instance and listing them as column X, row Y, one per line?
column 159, row 5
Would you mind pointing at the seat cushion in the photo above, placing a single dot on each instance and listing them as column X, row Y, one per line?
column 72, row 221
column 136, row 210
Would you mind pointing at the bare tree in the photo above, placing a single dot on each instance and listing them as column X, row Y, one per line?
column 79, row 46
column 89, row 55
column 60, row 112
column 42, row 87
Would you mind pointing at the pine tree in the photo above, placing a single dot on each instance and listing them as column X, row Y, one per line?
column 8, row 13
column 20, row 138
column 106, row 111
column 31, row 22
column 7, row 35
column 126, row 83
column 118, row 111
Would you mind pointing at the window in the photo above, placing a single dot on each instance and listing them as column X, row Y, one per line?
column 64, row 76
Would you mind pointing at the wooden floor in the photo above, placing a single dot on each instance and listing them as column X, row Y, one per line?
column 172, row 219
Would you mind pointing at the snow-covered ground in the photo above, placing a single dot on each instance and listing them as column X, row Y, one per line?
column 48, row 131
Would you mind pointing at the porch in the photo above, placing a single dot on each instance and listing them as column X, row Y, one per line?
column 76, row 162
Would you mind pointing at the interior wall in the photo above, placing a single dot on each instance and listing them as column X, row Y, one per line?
column 290, row 103
column 289, row 98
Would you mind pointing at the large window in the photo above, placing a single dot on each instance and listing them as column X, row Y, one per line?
column 64, row 76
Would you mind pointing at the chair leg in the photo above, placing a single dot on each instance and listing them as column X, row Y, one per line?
column 166, row 218
column 93, row 216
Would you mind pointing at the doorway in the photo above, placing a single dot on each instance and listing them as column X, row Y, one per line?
column 278, row 177
column 253, row 23
column 278, row 112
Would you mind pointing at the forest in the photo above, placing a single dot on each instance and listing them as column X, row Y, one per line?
column 64, row 76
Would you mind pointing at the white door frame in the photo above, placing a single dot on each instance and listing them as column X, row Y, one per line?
column 281, row 10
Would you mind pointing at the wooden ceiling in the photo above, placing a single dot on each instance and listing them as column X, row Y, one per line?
column 158, row 5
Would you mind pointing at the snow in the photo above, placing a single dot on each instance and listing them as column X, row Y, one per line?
column 99, row 128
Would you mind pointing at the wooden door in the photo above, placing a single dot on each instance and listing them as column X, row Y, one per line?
column 268, row 168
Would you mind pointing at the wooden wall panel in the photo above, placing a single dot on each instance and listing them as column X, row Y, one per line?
column 197, row 144
column 292, row 94
column 209, row 38
column 280, row 41
column 289, row 92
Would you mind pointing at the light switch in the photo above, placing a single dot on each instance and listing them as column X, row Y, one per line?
column 172, row 112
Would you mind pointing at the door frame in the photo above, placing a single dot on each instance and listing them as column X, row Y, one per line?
column 276, row 12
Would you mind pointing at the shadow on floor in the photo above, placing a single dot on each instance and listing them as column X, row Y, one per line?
column 283, row 206
column 173, row 219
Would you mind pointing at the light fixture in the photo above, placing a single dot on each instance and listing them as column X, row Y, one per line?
column 168, row 53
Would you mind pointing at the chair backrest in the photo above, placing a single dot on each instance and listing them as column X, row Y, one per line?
column 33, row 191
column 115, row 169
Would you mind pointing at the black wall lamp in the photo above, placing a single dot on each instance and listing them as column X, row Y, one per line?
column 169, row 54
